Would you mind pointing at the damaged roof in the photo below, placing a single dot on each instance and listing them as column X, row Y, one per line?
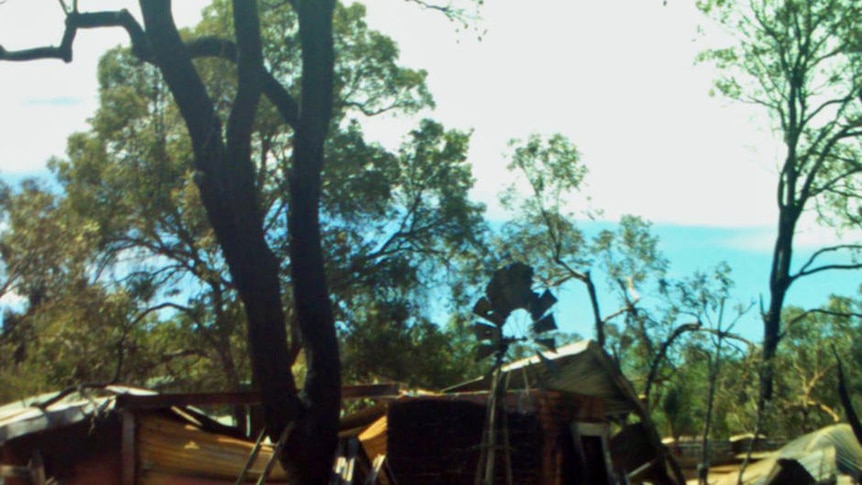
column 816, row 457
column 51, row 411
column 581, row 368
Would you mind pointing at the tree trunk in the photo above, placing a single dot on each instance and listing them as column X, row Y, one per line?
column 714, row 366
column 315, row 437
column 225, row 178
column 779, row 284
column 846, row 402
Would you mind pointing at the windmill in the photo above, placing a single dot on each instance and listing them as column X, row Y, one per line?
column 509, row 290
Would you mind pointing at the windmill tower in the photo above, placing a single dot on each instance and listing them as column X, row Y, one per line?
column 510, row 289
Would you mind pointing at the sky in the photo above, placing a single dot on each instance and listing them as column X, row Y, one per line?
column 615, row 76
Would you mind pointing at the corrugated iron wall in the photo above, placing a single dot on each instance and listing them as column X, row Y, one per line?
column 169, row 448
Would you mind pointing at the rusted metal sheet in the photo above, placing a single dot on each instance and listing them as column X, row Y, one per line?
column 169, row 447
column 373, row 438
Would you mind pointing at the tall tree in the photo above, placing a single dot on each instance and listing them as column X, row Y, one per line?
column 703, row 300
column 625, row 260
column 383, row 212
column 799, row 60
column 234, row 144
column 221, row 148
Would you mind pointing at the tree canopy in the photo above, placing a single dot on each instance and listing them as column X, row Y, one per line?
column 225, row 222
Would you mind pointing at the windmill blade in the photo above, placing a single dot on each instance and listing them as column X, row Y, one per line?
column 483, row 331
column 542, row 304
column 482, row 307
column 545, row 324
column 496, row 318
column 484, row 351
column 547, row 343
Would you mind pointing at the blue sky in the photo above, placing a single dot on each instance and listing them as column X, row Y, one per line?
column 701, row 248
column 615, row 76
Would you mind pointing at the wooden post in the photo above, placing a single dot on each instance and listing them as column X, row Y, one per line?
column 128, row 453
column 37, row 469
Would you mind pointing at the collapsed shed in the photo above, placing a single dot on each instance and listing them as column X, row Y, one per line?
column 120, row 435
column 828, row 455
column 558, row 410
column 101, row 436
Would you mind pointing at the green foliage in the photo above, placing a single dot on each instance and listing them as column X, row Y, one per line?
column 75, row 324
column 542, row 230
column 551, row 169
column 670, row 337
column 388, row 344
column 682, row 401
column 675, row 405
column 800, row 60
column 807, row 387
column 630, row 253
column 144, row 270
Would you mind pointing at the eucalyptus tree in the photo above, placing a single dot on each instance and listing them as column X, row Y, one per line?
column 800, row 61
column 623, row 262
column 544, row 230
column 703, row 301
column 221, row 150
column 71, row 324
column 221, row 139
column 806, row 392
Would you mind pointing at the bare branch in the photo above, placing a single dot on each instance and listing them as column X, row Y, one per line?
column 837, row 101
column 830, row 267
column 121, row 351
column 370, row 112
column 617, row 313
column 821, row 311
column 807, row 269
column 663, row 349
column 730, row 336
column 86, row 20
column 210, row 46
column 449, row 11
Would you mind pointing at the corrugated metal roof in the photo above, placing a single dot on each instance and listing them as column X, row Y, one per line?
column 826, row 453
column 579, row 368
column 30, row 416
